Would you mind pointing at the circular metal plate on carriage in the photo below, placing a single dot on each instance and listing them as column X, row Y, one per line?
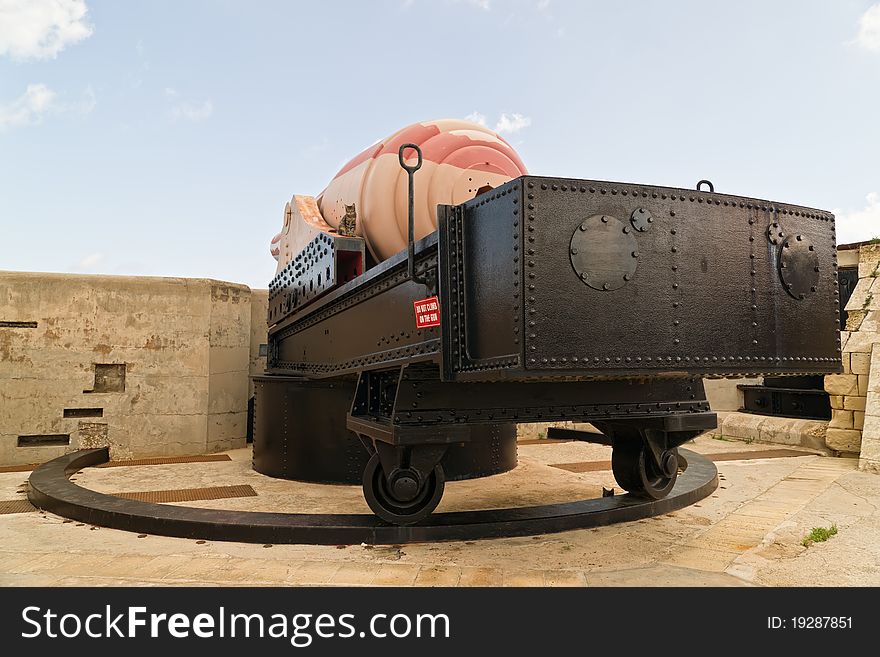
column 604, row 252
column 798, row 266
column 641, row 219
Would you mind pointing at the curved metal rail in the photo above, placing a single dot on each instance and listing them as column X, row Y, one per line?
column 51, row 490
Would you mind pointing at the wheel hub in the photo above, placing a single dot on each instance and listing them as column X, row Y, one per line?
column 405, row 486
column 669, row 463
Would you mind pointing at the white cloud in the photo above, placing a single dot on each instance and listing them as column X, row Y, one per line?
column 512, row 123
column 29, row 108
column 39, row 101
column 191, row 111
column 88, row 264
column 485, row 5
column 507, row 123
column 542, row 5
column 859, row 225
column 188, row 110
column 868, row 36
column 476, row 117
column 40, row 29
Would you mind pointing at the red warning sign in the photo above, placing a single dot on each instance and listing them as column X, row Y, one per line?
column 427, row 312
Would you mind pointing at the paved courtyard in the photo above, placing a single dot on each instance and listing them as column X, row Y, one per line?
column 749, row 532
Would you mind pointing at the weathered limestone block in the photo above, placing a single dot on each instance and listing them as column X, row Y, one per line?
column 844, row 440
column 778, row 430
column 742, row 425
column 863, row 384
column 869, row 260
column 845, row 362
column 859, row 420
column 854, row 319
column 841, row 384
column 841, row 420
column 854, row 403
column 874, row 375
column 860, row 363
column 836, row 401
column 869, row 459
column 862, row 341
column 861, row 299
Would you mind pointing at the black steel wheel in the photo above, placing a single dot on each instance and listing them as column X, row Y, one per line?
column 405, row 499
column 636, row 472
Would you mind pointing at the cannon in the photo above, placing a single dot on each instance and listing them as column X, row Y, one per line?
column 435, row 294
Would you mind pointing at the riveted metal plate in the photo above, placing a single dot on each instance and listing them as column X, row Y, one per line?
column 604, row 252
column 326, row 262
column 706, row 297
column 799, row 267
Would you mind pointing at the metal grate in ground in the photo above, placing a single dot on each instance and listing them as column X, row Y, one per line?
column 158, row 496
column 15, row 506
column 159, row 460
column 168, row 460
column 190, row 494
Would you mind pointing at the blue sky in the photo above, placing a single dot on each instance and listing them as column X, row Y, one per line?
column 164, row 138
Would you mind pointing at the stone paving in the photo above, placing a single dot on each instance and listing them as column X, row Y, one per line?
column 748, row 532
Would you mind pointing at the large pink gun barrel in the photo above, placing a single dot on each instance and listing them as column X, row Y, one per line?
column 368, row 197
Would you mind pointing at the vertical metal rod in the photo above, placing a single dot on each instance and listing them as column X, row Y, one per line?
column 411, row 243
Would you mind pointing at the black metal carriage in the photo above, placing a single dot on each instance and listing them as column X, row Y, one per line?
column 545, row 299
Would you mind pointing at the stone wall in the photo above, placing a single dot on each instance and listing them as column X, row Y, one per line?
column 855, row 394
column 724, row 395
column 147, row 366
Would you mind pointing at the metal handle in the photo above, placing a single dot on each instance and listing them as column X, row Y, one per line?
column 411, row 243
column 402, row 161
column 699, row 184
